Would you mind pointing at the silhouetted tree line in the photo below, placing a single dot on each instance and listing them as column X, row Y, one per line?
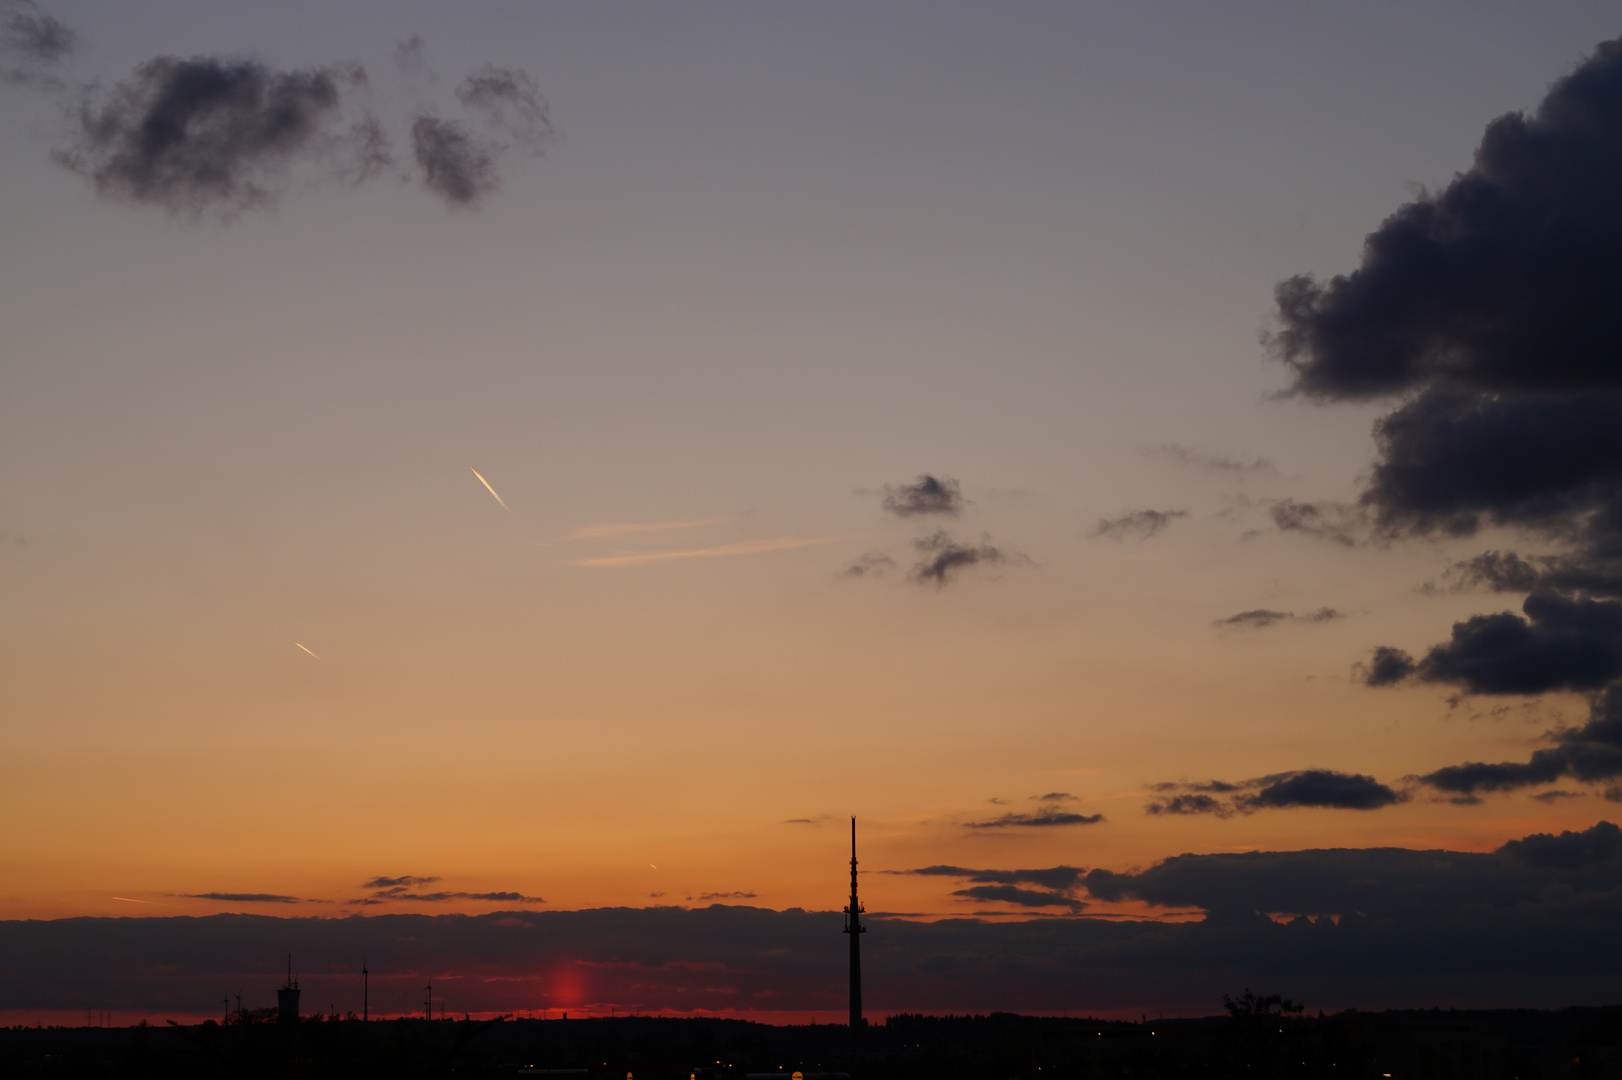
column 1260, row 1037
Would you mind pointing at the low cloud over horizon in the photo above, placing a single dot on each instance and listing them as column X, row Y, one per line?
column 1334, row 927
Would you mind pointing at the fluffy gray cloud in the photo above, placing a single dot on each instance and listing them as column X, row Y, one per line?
column 925, row 495
column 944, row 557
column 31, row 42
column 215, row 136
column 219, row 136
column 457, row 164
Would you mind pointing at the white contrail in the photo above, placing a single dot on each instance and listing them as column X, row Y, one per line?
column 306, row 650
column 132, row 900
column 491, row 490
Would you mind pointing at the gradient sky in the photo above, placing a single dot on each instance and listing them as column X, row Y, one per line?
column 772, row 262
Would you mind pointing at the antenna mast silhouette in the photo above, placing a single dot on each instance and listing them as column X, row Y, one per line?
column 854, row 927
column 287, row 997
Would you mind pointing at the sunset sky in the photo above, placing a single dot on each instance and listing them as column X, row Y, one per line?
column 589, row 452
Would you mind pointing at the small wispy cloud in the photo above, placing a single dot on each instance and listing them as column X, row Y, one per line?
column 1262, row 618
column 1216, row 463
column 1139, row 524
column 746, row 547
column 600, row 532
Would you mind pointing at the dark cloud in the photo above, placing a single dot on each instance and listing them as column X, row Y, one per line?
column 1013, row 894
column 500, row 897
column 1455, row 459
column 457, row 164
column 387, row 895
column 400, row 888
column 1506, row 571
column 1387, row 667
column 1047, row 815
column 1055, row 886
column 1549, row 798
column 1400, row 927
column 1216, row 463
column 1140, row 524
column 1336, row 522
column 1378, row 883
column 458, row 161
column 945, row 558
column 243, row 897
column 31, row 42
column 925, row 495
column 1258, row 619
column 1560, row 644
column 1324, row 788
column 1487, row 310
column 395, row 882
column 1191, row 803
column 1504, row 280
column 1054, row 796
column 1262, row 618
column 873, row 564
column 1569, row 850
column 1054, row 878
column 220, row 136
column 211, row 136
column 726, row 896
column 1591, row 753
column 1321, row 788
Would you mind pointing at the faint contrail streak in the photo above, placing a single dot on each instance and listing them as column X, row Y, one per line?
column 306, row 650
column 132, row 900
column 491, row 490
column 748, row 547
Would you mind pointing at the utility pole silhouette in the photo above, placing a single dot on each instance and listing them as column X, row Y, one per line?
column 429, row 1004
column 854, row 927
